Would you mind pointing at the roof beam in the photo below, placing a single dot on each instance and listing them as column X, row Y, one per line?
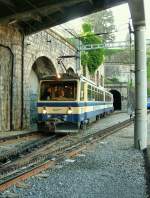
column 47, row 9
column 77, row 10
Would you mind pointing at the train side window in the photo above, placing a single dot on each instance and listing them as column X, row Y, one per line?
column 82, row 91
column 106, row 97
column 89, row 93
column 102, row 95
column 93, row 93
column 99, row 95
column 96, row 94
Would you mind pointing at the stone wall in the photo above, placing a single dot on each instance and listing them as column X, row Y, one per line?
column 121, row 72
column 122, row 88
column 44, row 49
column 10, row 61
column 16, row 55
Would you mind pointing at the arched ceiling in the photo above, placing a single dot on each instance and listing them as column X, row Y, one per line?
column 43, row 67
column 35, row 15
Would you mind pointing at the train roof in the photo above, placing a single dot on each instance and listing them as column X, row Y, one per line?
column 62, row 77
column 65, row 76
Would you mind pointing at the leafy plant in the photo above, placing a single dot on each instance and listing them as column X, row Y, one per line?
column 112, row 80
column 92, row 58
column 103, row 22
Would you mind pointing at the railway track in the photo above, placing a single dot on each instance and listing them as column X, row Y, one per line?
column 17, row 136
column 27, row 147
column 50, row 154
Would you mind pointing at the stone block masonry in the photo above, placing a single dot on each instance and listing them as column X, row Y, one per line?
column 17, row 58
column 10, row 78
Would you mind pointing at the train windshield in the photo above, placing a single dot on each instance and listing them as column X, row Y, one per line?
column 58, row 91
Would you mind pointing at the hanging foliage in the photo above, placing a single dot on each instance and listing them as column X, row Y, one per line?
column 92, row 58
column 103, row 22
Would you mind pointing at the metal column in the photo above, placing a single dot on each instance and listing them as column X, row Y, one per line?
column 140, row 129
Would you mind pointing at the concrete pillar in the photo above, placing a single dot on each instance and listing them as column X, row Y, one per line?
column 140, row 129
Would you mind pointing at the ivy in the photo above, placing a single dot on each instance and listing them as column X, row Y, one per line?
column 91, row 59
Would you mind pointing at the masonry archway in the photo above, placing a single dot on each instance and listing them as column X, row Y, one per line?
column 70, row 71
column 117, row 99
column 43, row 66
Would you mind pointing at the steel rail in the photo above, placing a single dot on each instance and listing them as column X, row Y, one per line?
column 16, row 136
column 46, row 160
column 27, row 147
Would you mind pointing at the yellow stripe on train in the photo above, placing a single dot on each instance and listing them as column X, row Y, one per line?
column 75, row 110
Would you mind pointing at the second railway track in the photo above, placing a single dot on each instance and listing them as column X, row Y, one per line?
column 50, row 154
column 25, row 147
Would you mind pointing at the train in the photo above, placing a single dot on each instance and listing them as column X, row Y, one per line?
column 148, row 103
column 68, row 103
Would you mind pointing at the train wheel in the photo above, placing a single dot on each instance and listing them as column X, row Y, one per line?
column 97, row 117
column 83, row 126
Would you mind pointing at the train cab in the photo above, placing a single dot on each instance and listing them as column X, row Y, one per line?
column 68, row 103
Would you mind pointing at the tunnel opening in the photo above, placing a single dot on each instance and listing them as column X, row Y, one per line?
column 70, row 71
column 117, row 99
column 41, row 67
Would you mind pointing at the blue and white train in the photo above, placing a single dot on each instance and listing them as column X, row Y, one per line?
column 68, row 103
column 148, row 103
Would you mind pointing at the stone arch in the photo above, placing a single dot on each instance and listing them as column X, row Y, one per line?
column 37, row 56
column 70, row 71
column 117, row 99
column 43, row 66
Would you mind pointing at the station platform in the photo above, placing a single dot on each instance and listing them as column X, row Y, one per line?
column 111, row 168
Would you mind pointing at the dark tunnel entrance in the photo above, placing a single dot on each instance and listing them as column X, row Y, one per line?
column 117, row 99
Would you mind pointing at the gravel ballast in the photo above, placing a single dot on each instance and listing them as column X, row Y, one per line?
column 111, row 168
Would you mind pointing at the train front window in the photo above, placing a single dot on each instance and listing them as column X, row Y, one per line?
column 58, row 91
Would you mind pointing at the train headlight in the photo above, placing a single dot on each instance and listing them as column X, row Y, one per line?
column 69, row 110
column 44, row 111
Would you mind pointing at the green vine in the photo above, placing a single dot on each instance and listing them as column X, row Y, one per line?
column 91, row 59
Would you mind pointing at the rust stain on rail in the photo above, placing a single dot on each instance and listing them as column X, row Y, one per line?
column 25, row 176
column 49, row 164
